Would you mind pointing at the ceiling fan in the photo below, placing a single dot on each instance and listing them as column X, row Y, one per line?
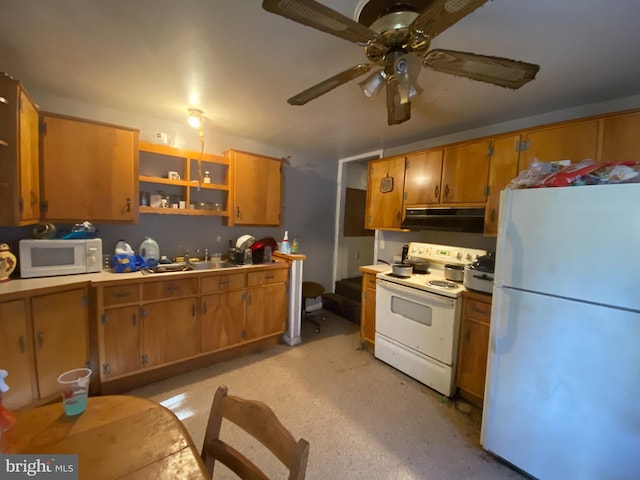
column 396, row 35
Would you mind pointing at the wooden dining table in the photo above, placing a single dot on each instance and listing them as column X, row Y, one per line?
column 116, row 437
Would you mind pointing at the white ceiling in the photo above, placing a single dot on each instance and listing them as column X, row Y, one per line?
column 239, row 63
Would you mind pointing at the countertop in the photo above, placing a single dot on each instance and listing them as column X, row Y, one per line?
column 375, row 269
column 17, row 286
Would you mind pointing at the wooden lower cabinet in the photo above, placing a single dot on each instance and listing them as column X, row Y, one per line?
column 474, row 346
column 221, row 320
column 41, row 337
column 15, row 354
column 169, row 331
column 266, row 310
column 368, row 311
column 121, row 328
column 147, row 325
column 61, row 336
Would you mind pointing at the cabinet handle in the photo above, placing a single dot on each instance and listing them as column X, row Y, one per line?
column 193, row 309
column 467, row 335
column 4, row 100
column 446, row 190
column 204, row 308
column 133, row 319
column 249, row 299
column 238, row 212
column 437, row 192
column 40, row 339
column 21, row 343
column 3, row 143
column 493, row 215
column 128, row 208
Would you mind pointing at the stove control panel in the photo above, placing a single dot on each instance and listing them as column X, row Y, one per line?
column 443, row 253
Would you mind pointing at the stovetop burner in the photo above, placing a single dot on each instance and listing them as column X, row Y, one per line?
column 443, row 284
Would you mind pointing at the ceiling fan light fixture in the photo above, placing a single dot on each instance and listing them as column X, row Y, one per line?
column 373, row 83
column 195, row 117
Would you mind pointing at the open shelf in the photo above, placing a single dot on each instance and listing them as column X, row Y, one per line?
column 156, row 161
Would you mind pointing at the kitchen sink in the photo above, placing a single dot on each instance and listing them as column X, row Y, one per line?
column 183, row 267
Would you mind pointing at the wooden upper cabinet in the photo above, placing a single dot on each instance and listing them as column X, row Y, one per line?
column 621, row 138
column 573, row 141
column 503, row 169
column 385, row 190
column 422, row 176
column 19, row 161
column 255, row 189
column 89, row 170
column 465, row 172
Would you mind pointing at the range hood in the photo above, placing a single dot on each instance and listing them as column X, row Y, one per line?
column 456, row 219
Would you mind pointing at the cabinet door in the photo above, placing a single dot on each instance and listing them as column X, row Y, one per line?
column 15, row 358
column 574, row 141
column 503, row 169
column 19, row 156
column 121, row 329
column 368, row 315
column 385, row 190
column 170, row 331
column 422, row 176
column 620, row 139
column 472, row 362
column 221, row 320
column 90, row 170
column 60, row 327
column 266, row 310
column 257, row 190
column 465, row 173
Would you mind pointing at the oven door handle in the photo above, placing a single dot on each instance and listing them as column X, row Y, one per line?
column 423, row 297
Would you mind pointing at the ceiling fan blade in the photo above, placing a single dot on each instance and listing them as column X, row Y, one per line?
column 439, row 16
column 329, row 84
column 316, row 15
column 498, row 71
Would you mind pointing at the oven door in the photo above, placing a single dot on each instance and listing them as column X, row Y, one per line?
column 425, row 322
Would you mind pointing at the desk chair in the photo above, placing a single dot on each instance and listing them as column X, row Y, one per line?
column 311, row 290
column 259, row 421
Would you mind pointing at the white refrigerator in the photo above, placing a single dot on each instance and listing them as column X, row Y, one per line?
column 562, row 395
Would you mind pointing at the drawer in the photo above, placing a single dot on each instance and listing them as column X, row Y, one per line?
column 477, row 310
column 169, row 288
column 121, row 294
column 268, row 276
column 221, row 283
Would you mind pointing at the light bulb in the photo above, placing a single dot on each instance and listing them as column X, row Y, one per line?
column 195, row 118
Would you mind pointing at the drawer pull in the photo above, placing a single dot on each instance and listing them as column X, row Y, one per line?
column 21, row 343
column 204, row 308
column 133, row 319
column 268, row 277
column 223, row 282
column 193, row 309
column 122, row 294
column 40, row 339
column 172, row 289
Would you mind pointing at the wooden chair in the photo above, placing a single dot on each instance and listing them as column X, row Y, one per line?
column 259, row 421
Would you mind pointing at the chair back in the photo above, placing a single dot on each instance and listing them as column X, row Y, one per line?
column 258, row 420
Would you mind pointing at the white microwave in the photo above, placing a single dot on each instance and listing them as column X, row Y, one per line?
column 48, row 258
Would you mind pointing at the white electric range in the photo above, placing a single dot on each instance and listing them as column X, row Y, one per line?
column 418, row 317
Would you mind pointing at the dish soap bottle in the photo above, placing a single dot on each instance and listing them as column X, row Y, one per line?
column 285, row 246
column 294, row 245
